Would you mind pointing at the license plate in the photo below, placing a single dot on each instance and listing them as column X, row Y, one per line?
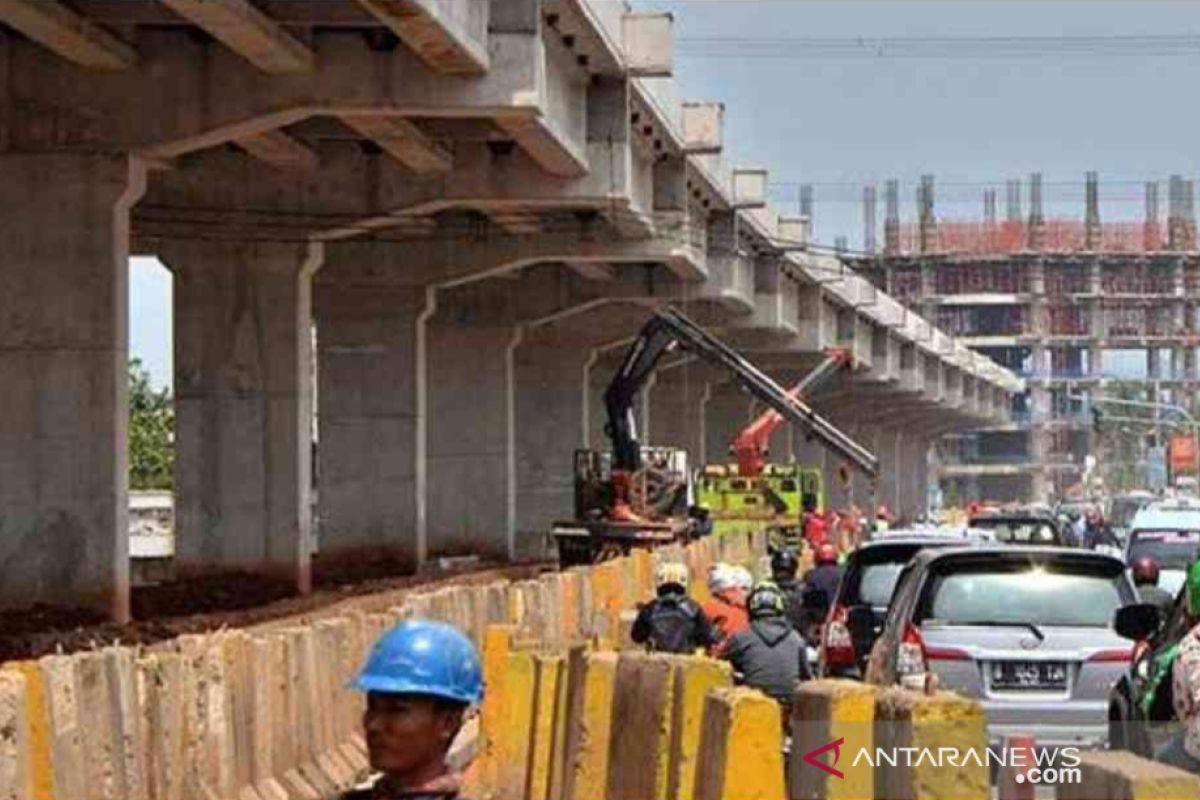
column 1029, row 675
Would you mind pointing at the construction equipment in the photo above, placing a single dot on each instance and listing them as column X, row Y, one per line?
column 753, row 494
column 623, row 500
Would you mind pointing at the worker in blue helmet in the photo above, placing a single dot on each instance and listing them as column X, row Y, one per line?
column 421, row 679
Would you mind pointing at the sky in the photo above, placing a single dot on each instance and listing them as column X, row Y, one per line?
column 850, row 118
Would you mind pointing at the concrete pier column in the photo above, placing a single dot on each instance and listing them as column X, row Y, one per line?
column 471, row 451
column 370, row 408
column 913, row 475
column 550, row 425
column 243, row 407
column 887, row 445
column 677, row 414
column 726, row 412
column 64, row 272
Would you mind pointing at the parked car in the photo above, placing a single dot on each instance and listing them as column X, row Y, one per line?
column 1140, row 703
column 1026, row 630
column 868, row 578
column 1168, row 532
column 1021, row 527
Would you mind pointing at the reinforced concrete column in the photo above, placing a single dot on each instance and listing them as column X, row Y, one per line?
column 678, row 403
column 244, row 407
column 914, row 475
column 551, row 383
column 726, row 412
column 371, row 418
column 471, row 448
column 887, row 444
column 64, row 351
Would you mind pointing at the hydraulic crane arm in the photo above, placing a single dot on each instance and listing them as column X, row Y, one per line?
column 750, row 445
column 668, row 330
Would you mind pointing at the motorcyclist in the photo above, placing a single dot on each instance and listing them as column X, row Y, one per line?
column 825, row 576
column 1183, row 750
column 769, row 654
column 421, row 679
column 1145, row 578
column 672, row 622
column 784, row 566
column 726, row 606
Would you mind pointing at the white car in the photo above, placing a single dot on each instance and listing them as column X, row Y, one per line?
column 1168, row 532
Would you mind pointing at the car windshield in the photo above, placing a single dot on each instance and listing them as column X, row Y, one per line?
column 1021, row 593
column 877, row 583
column 1018, row 531
column 1171, row 549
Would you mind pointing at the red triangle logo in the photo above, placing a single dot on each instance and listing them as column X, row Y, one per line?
column 836, row 747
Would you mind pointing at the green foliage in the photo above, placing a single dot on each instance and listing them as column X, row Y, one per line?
column 151, row 432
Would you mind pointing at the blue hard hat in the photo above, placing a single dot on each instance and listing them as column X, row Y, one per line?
column 427, row 658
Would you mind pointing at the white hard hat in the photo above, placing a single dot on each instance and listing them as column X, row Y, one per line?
column 720, row 577
column 742, row 579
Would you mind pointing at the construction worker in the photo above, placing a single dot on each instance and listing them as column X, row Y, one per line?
column 883, row 519
column 726, row 606
column 1183, row 750
column 1145, row 578
column 421, row 679
column 673, row 622
column 823, row 579
column 769, row 654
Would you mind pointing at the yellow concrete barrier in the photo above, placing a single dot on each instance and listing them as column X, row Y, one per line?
column 694, row 678
column 823, row 712
column 549, row 726
column 39, row 761
column 16, row 776
column 741, row 755
column 589, row 726
column 512, row 744
column 930, row 722
column 1124, row 776
column 642, row 713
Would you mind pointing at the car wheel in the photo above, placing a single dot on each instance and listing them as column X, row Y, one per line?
column 1118, row 723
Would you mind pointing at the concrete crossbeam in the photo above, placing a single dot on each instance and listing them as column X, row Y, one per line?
column 448, row 35
column 243, row 396
column 64, row 360
column 404, row 141
column 538, row 94
column 58, row 28
column 248, row 32
column 280, row 151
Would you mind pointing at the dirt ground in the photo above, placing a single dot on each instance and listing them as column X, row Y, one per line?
column 235, row 600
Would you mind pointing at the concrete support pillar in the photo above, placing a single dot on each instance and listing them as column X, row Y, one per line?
column 243, row 407
column 471, row 453
column 64, row 272
column 726, row 412
column 372, row 421
column 914, row 475
column 677, row 411
column 550, row 426
column 888, row 446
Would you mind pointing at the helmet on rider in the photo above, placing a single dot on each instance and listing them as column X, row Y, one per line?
column 1145, row 571
column 720, row 578
column 420, row 678
column 784, row 564
column 672, row 574
column 766, row 600
column 1192, row 587
column 827, row 554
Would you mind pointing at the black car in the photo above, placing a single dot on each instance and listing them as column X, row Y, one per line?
column 868, row 578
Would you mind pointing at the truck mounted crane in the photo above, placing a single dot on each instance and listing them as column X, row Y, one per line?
column 640, row 498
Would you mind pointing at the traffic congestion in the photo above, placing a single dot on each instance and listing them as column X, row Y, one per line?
column 1078, row 625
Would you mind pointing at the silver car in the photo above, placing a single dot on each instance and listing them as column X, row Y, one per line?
column 1025, row 630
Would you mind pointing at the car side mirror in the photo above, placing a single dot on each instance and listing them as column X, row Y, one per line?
column 861, row 622
column 1137, row 622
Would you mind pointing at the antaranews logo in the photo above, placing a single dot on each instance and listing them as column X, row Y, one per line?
column 1038, row 766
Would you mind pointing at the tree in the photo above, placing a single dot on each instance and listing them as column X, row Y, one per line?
column 151, row 432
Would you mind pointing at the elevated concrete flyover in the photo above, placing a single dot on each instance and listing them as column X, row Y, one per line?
column 468, row 197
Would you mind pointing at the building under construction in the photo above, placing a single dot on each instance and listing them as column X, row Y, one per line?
column 1047, row 298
